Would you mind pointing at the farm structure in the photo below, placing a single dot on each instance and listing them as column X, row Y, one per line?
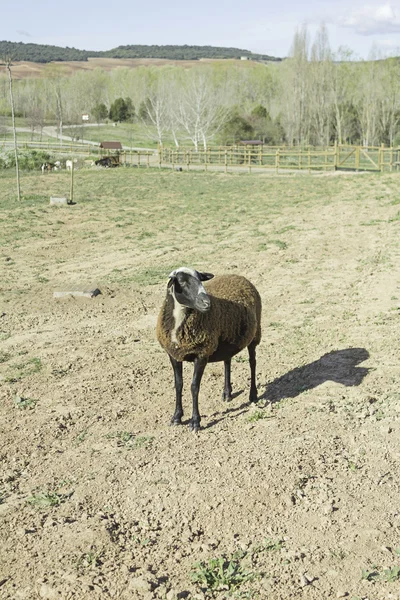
column 111, row 146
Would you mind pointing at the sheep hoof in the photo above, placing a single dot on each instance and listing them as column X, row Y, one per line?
column 194, row 427
column 176, row 421
column 226, row 397
column 253, row 397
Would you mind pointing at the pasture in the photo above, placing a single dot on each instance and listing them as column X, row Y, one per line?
column 295, row 497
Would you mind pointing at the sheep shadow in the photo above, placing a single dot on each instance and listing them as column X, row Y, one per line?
column 229, row 411
column 339, row 366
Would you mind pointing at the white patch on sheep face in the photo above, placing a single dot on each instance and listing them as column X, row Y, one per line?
column 183, row 270
column 179, row 314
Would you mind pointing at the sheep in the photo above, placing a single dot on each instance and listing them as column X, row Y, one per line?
column 209, row 323
column 47, row 166
column 69, row 163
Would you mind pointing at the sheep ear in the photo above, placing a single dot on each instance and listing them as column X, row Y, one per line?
column 205, row 276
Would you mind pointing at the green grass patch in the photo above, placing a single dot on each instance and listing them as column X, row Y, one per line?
column 24, row 369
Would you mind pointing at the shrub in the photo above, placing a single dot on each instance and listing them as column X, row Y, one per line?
column 29, row 160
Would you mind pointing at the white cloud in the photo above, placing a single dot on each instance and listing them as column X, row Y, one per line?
column 371, row 20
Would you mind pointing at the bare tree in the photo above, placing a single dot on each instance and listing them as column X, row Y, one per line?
column 199, row 108
column 320, row 88
column 295, row 90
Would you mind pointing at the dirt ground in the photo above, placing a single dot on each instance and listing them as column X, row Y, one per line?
column 23, row 69
column 295, row 497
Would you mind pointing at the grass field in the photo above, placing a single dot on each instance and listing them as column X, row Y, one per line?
column 129, row 134
column 294, row 497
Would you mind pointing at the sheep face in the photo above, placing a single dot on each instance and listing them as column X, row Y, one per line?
column 185, row 286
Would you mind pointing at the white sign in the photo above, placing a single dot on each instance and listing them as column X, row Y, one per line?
column 85, row 117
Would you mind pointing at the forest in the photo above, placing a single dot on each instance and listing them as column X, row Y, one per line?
column 314, row 97
column 44, row 54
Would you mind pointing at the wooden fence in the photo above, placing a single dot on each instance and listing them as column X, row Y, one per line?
column 139, row 158
column 352, row 158
column 337, row 157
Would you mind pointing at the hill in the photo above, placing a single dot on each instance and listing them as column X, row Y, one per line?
column 39, row 53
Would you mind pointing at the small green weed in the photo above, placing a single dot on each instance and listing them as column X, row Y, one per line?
column 24, row 402
column 221, row 573
column 45, row 499
column 89, row 560
column 81, row 436
column 144, row 441
column 370, row 574
column 388, row 575
column 353, row 467
column 50, row 497
column 241, row 359
column 338, row 554
column 141, row 541
column 392, row 574
column 268, row 545
column 258, row 415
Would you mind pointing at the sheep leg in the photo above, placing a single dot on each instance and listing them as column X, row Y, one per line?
column 252, row 360
column 178, row 414
column 199, row 366
column 227, row 393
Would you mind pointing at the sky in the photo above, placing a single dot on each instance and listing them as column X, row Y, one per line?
column 261, row 26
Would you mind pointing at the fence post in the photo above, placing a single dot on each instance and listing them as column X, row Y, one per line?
column 336, row 157
column 358, row 158
column 382, row 154
column 277, row 160
column 71, row 195
column 309, row 160
column 391, row 158
column 226, row 161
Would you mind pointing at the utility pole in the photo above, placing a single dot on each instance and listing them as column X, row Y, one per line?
column 7, row 61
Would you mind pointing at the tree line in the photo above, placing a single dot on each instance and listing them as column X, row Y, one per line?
column 314, row 97
column 44, row 53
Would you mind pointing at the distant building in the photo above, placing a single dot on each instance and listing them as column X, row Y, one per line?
column 85, row 117
column 244, row 58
